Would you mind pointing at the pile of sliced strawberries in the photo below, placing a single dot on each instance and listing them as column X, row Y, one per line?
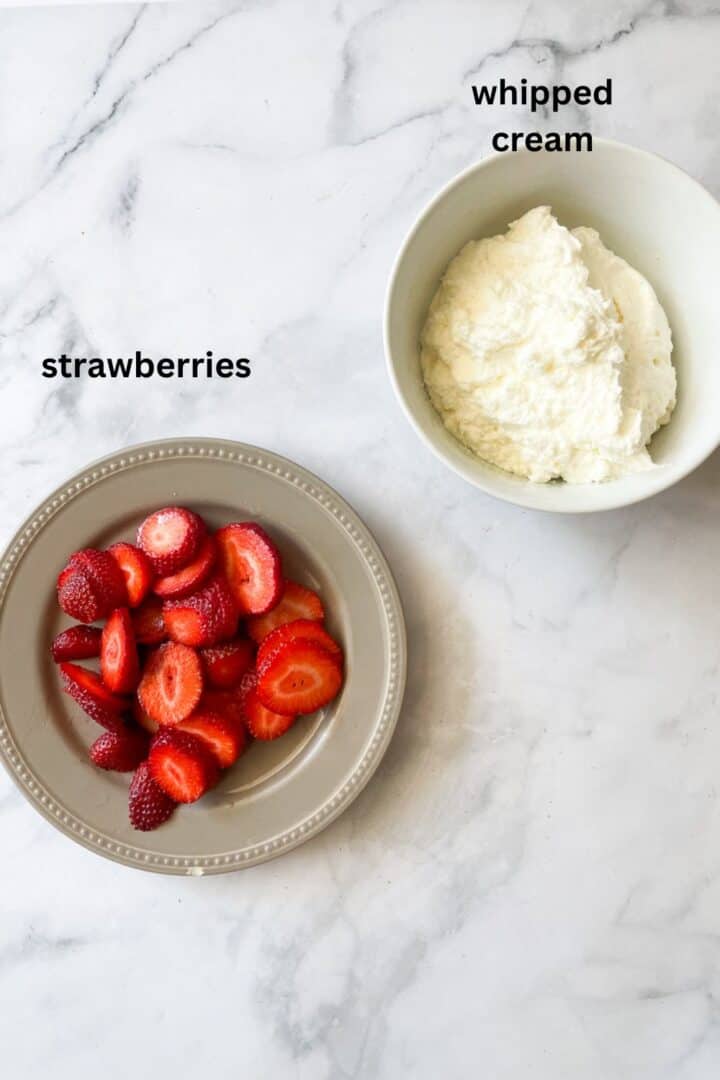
column 204, row 646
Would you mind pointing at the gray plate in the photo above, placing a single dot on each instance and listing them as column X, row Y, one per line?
column 278, row 794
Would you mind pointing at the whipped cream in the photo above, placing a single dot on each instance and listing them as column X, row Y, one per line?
column 548, row 355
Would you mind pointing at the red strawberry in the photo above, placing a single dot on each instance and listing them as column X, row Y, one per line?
column 251, row 564
column 307, row 629
column 191, row 577
column 182, row 765
column 64, row 576
column 76, row 643
column 148, row 622
column 118, row 654
column 91, row 694
column 171, row 684
column 261, row 722
column 149, row 806
column 142, row 719
column 297, row 603
column 225, row 740
column 93, row 587
column 225, row 665
column 225, row 703
column 300, row 677
column 120, row 751
column 136, row 570
column 206, row 617
column 171, row 538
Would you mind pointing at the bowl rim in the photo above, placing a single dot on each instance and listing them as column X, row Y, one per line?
column 661, row 481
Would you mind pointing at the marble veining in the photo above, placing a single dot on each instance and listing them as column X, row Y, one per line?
column 530, row 885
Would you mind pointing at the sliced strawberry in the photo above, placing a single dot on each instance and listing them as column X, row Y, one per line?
column 148, row 804
column 300, row 677
column 171, row 683
column 148, row 622
column 171, row 538
column 119, row 663
column 225, row 703
column 191, row 577
column 76, row 643
column 261, row 722
column 182, row 765
column 225, row 665
column 206, row 617
column 251, row 564
column 89, row 691
column 136, row 570
column 120, row 751
column 225, row 740
column 78, row 597
column 297, row 602
column 91, row 586
column 64, row 575
column 307, row 629
column 142, row 719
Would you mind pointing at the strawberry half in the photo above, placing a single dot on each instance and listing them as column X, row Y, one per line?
column 262, row 723
column 251, row 564
column 191, row 577
column 91, row 694
column 119, row 663
column 120, row 751
column 182, row 765
column 225, row 665
column 307, row 629
column 225, row 740
column 148, row 622
column 171, row 683
column 206, row 617
column 76, row 643
column 91, row 586
column 136, row 570
column 171, row 538
column 148, row 805
column 297, row 602
column 300, row 677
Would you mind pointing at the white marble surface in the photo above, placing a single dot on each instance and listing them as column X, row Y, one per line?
column 530, row 887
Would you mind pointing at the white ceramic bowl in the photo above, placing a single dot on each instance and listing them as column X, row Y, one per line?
column 648, row 211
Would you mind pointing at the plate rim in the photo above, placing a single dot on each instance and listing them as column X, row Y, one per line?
column 226, row 451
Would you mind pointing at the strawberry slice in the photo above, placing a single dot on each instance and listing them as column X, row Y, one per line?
column 136, row 570
column 206, row 617
column 120, row 751
column 226, row 703
column 91, row 586
column 225, row 665
column 148, row 805
column 148, row 622
column 300, row 677
column 171, row 684
column 297, row 602
column 171, row 538
column 119, row 663
column 76, row 643
column 91, row 694
column 182, row 765
column 191, row 577
column 251, row 564
column 225, row 740
column 307, row 629
column 262, row 723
